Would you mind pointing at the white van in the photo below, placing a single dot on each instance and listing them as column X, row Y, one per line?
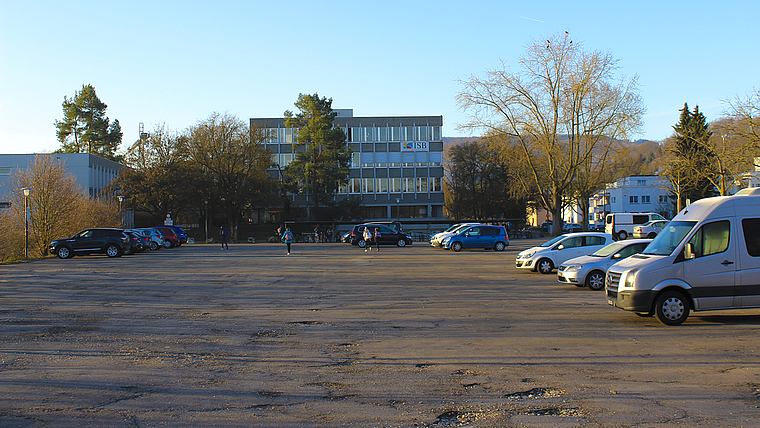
column 620, row 225
column 706, row 258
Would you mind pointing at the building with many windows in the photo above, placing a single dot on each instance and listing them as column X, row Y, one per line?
column 91, row 172
column 396, row 167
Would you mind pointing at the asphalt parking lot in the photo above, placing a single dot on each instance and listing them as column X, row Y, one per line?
column 335, row 336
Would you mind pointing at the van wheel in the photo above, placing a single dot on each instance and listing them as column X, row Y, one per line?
column 622, row 235
column 401, row 242
column 595, row 280
column 545, row 266
column 671, row 308
column 361, row 243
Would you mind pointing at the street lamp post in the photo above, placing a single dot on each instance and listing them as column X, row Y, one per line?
column 121, row 213
column 398, row 209
column 206, row 218
column 26, row 191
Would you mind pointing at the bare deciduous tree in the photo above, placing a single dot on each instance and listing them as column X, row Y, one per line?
column 563, row 108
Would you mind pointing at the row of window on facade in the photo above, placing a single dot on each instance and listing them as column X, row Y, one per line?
column 377, row 160
column 645, row 199
column 366, row 134
column 392, row 185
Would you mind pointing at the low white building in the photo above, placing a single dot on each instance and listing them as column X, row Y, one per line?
column 92, row 172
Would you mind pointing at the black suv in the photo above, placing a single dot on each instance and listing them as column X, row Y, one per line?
column 112, row 242
column 388, row 236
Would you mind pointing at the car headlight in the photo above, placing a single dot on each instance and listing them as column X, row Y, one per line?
column 528, row 254
column 573, row 268
column 629, row 278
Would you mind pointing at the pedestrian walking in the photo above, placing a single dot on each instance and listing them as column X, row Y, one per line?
column 223, row 232
column 367, row 235
column 377, row 238
column 287, row 237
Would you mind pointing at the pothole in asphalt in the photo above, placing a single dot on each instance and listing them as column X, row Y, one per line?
column 536, row 393
column 265, row 333
column 554, row 411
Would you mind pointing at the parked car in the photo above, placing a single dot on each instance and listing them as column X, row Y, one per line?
column 111, row 242
column 649, row 229
column 155, row 237
column 554, row 252
column 388, row 236
column 138, row 242
column 477, row 236
column 590, row 270
column 170, row 238
column 180, row 232
column 437, row 238
column 572, row 227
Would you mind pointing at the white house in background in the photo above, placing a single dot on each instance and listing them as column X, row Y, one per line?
column 637, row 193
column 747, row 179
column 92, row 172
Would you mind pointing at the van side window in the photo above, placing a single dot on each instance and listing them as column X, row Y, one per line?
column 711, row 238
column 751, row 229
column 640, row 219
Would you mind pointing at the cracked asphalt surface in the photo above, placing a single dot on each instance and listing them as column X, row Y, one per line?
column 334, row 336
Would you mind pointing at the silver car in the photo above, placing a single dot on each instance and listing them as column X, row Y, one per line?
column 590, row 270
column 649, row 229
column 154, row 236
column 437, row 239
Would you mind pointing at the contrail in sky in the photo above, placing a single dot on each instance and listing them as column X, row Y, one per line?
column 532, row 19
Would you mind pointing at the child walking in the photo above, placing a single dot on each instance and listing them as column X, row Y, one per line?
column 288, row 238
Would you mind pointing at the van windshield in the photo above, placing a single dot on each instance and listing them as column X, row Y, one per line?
column 668, row 239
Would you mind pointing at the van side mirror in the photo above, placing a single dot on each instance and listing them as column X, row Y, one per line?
column 688, row 251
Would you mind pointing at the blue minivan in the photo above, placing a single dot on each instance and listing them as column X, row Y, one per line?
column 477, row 236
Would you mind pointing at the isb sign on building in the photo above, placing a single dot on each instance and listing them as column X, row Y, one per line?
column 414, row 146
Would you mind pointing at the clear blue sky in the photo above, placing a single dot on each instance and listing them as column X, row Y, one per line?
column 176, row 62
